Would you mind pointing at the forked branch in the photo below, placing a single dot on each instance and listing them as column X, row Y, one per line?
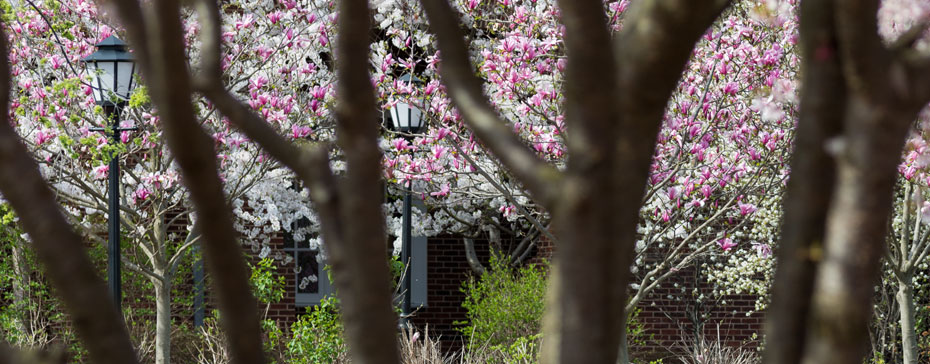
column 540, row 178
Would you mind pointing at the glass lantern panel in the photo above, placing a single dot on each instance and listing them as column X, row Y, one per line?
column 102, row 79
column 124, row 83
column 406, row 117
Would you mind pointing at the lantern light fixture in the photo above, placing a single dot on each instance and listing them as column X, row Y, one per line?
column 405, row 117
column 113, row 71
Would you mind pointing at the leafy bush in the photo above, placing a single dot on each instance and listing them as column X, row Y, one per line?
column 503, row 304
column 524, row 350
column 268, row 287
column 317, row 336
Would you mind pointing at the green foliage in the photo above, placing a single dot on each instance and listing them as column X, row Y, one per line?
column 523, row 350
column 922, row 315
column 6, row 9
column 635, row 330
column 139, row 97
column 317, row 336
column 504, row 304
column 397, row 270
column 268, row 287
column 29, row 308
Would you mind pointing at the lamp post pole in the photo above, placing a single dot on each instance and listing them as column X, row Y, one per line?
column 408, row 119
column 112, row 70
column 112, row 112
column 405, row 258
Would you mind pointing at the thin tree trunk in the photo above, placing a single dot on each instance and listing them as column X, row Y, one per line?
column 905, row 298
column 623, row 354
column 162, row 322
column 20, row 282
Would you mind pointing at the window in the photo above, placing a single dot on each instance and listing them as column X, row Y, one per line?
column 312, row 284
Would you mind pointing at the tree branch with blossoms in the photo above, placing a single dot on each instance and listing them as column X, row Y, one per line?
column 159, row 41
column 59, row 248
column 540, row 178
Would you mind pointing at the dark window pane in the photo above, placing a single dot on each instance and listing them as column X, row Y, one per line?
column 302, row 228
column 308, row 270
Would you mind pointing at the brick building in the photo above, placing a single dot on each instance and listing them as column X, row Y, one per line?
column 670, row 316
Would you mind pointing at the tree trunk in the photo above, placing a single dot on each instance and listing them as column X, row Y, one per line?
column 905, row 298
column 810, row 188
column 162, row 322
column 867, row 159
column 20, row 284
column 623, row 354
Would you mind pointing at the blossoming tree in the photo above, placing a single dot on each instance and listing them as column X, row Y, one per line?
column 54, row 113
column 611, row 109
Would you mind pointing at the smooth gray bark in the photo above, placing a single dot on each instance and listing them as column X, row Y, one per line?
column 905, row 298
column 162, row 322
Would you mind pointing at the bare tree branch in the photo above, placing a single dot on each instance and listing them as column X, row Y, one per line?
column 882, row 104
column 311, row 165
column 472, row 257
column 129, row 16
column 509, row 196
column 910, row 36
column 591, row 91
column 868, row 64
column 361, row 277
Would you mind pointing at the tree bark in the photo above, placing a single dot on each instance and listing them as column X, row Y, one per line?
column 614, row 101
column 20, row 289
column 810, row 187
column 360, row 262
column 841, row 306
column 623, row 354
column 162, row 322
column 905, row 298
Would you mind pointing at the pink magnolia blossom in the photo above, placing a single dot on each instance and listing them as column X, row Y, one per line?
column 300, row 131
column 141, row 194
column 43, row 136
column 726, row 244
column 101, row 172
column 401, row 144
column 762, row 250
column 444, row 191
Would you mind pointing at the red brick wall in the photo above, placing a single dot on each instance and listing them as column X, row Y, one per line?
column 447, row 269
column 285, row 311
column 672, row 317
column 668, row 314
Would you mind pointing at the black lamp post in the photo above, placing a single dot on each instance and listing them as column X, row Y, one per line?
column 408, row 119
column 113, row 70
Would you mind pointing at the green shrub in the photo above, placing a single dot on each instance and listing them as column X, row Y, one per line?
column 317, row 336
column 523, row 350
column 503, row 304
column 268, row 287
